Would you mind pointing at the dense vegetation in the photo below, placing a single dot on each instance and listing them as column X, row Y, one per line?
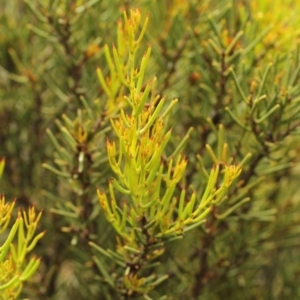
column 160, row 141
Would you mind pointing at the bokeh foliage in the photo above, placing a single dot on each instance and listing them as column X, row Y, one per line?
column 234, row 67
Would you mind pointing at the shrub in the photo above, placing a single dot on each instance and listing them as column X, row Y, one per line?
column 162, row 147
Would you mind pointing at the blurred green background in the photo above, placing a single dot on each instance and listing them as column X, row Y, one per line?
column 49, row 52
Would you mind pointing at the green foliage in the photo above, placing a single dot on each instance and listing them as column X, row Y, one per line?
column 151, row 216
column 14, row 267
column 161, row 143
